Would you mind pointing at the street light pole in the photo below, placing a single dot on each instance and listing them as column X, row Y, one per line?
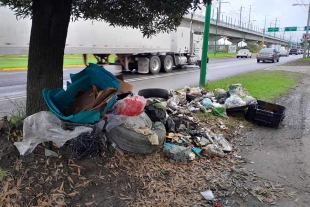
column 249, row 17
column 275, row 25
column 264, row 30
column 205, row 45
column 307, row 32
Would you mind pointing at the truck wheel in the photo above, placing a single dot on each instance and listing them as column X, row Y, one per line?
column 154, row 64
column 166, row 63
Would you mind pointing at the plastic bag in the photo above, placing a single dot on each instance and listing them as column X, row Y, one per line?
column 140, row 121
column 178, row 153
column 114, row 121
column 238, row 90
column 131, row 106
column 234, row 101
column 45, row 126
column 219, row 111
column 161, row 105
column 196, row 91
column 206, row 102
column 155, row 114
column 250, row 100
column 219, row 91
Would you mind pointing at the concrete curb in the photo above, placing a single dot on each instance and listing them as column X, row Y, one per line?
column 16, row 69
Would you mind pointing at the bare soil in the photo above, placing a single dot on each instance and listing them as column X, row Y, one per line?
column 299, row 62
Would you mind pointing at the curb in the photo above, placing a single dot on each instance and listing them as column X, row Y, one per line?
column 16, row 69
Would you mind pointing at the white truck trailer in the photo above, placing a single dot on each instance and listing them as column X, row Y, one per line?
column 161, row 52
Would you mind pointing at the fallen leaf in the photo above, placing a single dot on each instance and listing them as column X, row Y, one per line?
column 70, row 179
column 73, row 194
column 61, row 188
column 89, row 203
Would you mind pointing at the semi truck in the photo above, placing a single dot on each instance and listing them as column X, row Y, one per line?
column 162, row 52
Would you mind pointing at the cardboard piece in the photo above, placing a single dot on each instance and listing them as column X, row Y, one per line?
column 123, row 86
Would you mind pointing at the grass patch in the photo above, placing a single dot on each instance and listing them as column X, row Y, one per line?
column 304, row 59
column 21, row 61
column 220, row 55
column 263, row 85
column 3, row 174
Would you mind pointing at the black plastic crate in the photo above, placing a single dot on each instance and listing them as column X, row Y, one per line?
column 266, row 114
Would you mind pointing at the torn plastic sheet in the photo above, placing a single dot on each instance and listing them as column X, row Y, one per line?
column 45, row 126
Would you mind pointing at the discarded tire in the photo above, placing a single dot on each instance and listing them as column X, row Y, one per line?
column 154, row 92
column 132, row 141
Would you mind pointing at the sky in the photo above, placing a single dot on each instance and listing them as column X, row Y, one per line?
column 282, row 10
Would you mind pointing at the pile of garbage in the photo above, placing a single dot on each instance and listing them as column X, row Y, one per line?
column 98, row 108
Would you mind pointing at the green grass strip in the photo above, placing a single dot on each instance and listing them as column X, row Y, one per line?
column 264, row 84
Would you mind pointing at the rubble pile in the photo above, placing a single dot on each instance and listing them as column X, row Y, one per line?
column 98, row 110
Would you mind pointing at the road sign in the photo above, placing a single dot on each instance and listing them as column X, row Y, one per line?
column 290, row 29
column 273, row 29
column 261, row 43
column 305, row 28
column 306, row 36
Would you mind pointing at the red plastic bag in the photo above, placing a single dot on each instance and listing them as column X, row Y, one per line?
column 131, row 105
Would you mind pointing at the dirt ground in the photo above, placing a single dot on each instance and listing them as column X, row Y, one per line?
column 282, row 155
column 298, row 63
column 267, row 167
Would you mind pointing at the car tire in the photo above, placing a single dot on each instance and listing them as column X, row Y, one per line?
column 132, row 141
column 273, row 60
column 258, row 61
column 246, row 57
column 264, row 61
column 237, row 56
column 154, row 92
column 251, row 56
column 278, row 59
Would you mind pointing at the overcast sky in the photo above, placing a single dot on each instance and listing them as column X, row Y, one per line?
column 283, row 10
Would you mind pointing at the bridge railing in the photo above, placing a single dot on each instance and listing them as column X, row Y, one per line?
column 240, row 26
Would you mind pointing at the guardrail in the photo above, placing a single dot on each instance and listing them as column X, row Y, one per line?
column 233, row 25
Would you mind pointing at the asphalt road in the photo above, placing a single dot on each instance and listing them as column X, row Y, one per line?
column 13, row 83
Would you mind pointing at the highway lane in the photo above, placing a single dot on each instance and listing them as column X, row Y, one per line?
column 13, row 83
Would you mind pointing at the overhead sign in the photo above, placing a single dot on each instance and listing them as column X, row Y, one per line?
column 273, row 29
column 306, row 36
column 305, row 28
column 290, row 29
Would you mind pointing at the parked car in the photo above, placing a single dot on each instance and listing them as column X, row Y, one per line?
column 302, row 51
column 299, row 51
column 244, row 53
column 293, row 51
column 283, row 53
column 269, row 54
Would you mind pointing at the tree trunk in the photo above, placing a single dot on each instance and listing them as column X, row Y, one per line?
column 50, row 22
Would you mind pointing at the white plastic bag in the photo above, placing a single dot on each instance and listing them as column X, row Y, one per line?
column 44, row 126
column 234, row 101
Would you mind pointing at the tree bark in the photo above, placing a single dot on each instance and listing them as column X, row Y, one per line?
column 49, row 29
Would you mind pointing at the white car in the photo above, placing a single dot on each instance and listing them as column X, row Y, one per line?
column 244, row 53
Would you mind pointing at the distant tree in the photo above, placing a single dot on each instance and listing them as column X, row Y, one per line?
column 253, row 47
column 50, row 20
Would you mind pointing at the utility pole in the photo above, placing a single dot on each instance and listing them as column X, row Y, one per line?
column 307, row 32
column 240, row 15
column 215, row 42
column 264, row 30
column 275, row 25
column 249, row 17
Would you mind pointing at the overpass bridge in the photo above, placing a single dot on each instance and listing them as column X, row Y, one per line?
column 234, row 32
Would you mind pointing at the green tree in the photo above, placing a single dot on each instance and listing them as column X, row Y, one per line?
column 50, row 20
column 252, row 46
